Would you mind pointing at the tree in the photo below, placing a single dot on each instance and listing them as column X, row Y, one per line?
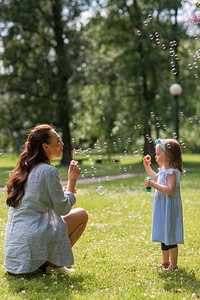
column 138, row 46
column 41, row 51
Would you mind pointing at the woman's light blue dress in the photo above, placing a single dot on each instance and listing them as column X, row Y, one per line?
column 35, row 230
column 167, row 224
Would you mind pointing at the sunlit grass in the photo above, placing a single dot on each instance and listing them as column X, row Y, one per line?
column 114, row 259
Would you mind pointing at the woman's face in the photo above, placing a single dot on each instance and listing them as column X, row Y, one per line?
column 54, row 148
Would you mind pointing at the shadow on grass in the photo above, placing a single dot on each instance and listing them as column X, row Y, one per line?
column 42, row 284
column 181, row 281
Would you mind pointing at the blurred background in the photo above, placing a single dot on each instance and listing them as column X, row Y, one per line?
column 101, row 72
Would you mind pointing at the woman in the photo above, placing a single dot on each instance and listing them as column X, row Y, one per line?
column 41, row 227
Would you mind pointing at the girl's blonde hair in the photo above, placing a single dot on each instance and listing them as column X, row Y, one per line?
column 173, row 150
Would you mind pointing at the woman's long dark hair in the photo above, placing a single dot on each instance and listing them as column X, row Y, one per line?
column 32, row 155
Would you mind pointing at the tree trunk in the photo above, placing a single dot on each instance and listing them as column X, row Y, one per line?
column 63, row 75
column 66, row 137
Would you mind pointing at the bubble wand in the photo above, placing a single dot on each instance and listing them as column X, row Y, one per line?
column 74, row 151
column 148, row 189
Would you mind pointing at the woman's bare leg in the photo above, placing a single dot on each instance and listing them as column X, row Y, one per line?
column 76, row 221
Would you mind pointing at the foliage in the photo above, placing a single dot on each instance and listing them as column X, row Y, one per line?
column 129, row 66
column 98, row 81
column 40, row 52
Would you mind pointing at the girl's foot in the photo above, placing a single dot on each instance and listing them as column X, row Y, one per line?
column 171, row 268
column 164, row 265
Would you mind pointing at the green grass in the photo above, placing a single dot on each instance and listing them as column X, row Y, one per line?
column 114, row 258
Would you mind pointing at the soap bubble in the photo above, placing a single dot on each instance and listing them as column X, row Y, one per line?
column 164, row 126
column 190, row 66
column 174, row 71
column 164, row 46
column 171, row 52
column 150, row 17
column 191, row 120
column 145, row 23
column 105, row 145
column 195, row 65
column 151, row 36
column 172, row 63
column 176, row 57
column 157, row 41
column 136, row 153
column 100, row 190
column 152, row 114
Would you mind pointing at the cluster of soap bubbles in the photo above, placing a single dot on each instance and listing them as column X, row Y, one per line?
column 195, row 59
column 145, row 22
column 172, row 49
column 81, row 151
column 101, row 148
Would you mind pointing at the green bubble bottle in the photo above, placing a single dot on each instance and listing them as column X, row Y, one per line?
column 148, row 189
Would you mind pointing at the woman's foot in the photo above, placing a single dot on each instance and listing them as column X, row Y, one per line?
column 62, row 270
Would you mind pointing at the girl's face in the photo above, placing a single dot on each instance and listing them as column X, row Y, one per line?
column 54, row 148
column 161, row 156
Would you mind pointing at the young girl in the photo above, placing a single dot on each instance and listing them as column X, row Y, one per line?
column 167, row 225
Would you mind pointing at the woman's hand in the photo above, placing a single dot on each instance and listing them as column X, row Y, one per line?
column 73, row 174
column 74, row 171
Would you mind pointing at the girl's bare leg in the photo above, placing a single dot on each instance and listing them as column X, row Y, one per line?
column 173, row 253
column 165, row 256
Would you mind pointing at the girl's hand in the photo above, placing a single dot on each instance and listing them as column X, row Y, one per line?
column 147, row 160
column 148, row 183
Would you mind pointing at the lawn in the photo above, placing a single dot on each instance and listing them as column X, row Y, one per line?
column 115, row 258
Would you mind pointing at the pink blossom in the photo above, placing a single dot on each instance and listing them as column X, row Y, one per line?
column 195, row 18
